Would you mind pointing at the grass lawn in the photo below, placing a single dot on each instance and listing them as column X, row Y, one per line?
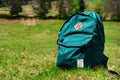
column 29, row 52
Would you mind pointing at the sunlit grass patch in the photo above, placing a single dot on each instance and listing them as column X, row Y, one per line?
column 29, row 52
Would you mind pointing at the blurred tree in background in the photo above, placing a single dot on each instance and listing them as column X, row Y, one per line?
column 108, row 9
column 63, row 8
column 14, row 5
column 41, row 7
column 96, row 6
column 76, row 6
column 112, row 8
column 69, row 7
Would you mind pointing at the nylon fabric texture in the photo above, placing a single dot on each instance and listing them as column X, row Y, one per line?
column 81, row 37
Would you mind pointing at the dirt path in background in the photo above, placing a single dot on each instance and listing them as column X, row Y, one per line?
column 30, row 20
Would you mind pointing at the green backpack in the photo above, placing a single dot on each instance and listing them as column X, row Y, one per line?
column 81, row 42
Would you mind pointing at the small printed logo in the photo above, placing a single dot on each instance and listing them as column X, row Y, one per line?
column 78, row 26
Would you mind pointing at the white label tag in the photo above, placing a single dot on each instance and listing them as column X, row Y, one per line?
column 80, row 63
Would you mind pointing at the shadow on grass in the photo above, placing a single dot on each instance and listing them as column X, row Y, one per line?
column 50, row 72
column 61, row 73
column 8, row 16
column 57, row 73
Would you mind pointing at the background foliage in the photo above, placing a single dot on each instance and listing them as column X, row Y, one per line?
column 108, row 9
